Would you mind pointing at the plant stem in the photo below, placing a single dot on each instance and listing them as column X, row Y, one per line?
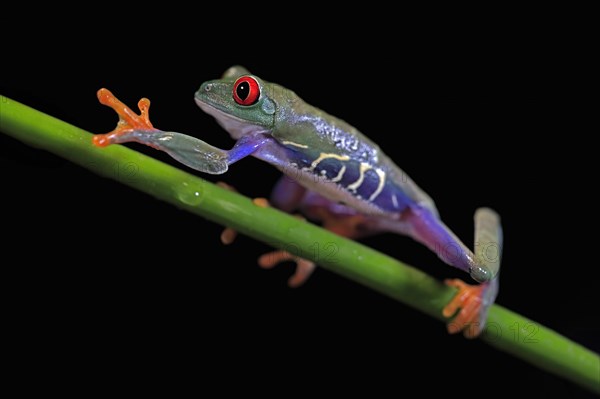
column 506, row 330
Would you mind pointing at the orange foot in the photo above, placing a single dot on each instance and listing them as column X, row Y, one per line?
column 473, row 302
column 304, row 268
column 129, row 121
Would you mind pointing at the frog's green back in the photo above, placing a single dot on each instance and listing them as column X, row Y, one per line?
column 309, row 127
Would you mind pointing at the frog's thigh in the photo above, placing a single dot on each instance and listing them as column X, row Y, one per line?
column 287, row 194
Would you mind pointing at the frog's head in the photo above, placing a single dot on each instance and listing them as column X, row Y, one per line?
column 239, row 101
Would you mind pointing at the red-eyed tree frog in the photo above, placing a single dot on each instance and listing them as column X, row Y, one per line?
column 333, row 174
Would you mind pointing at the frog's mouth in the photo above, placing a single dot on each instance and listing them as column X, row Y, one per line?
column 236, row 127
column 214, row 110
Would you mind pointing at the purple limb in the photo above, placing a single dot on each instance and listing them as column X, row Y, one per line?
column 428, row 229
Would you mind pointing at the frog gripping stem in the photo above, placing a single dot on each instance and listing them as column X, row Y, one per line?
column 471, row 303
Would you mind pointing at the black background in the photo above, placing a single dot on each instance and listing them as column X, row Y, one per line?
column 109, row 273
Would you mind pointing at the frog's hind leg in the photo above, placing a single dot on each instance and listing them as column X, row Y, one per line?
column 289, row 196
column 286, row 196
column 470, row 305
column 425, row 227
column 472, row 302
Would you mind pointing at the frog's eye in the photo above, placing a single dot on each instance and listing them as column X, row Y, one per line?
column 246, row 90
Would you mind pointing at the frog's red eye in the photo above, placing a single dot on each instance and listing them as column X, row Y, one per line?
column 246, row 90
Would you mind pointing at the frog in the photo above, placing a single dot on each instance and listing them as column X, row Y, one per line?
column 332, row 174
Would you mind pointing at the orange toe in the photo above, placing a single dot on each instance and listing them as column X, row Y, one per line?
column 228, row 235
column 101, row 140
column 468, row 302
column 262, row 202
column 304, row 267
column 271, row 259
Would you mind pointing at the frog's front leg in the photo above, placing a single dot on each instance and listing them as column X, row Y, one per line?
column 188, row 150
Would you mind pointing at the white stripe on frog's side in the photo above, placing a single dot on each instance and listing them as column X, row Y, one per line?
column 361, row 176
column 340, row 175
column 332, row 190
column 364, row 167
column 381, row 175
column 294, row 144
column 323, row 156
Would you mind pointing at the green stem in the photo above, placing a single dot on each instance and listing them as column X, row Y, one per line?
column 506, row 330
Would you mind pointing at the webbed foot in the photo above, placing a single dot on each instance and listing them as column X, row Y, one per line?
column 304, row 267
column 472, row 303
column 129, row 121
